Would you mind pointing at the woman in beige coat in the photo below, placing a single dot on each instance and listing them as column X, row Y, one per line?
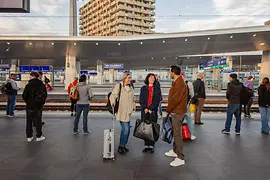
column 126, row 107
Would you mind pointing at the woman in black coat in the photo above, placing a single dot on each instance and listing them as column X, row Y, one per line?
column 149, row 100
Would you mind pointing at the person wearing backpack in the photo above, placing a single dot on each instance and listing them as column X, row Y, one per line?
column 249, row 84
column 34, row 95
column 264, row 105
column 11, row 92
column 123, row 97
column 71, row 90
column 188, row 114
column 85, row 94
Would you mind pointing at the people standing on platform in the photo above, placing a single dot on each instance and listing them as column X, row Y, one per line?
column 124, row 93
column 150, row 96
column 160, row 102
column 188, row 114
column 83, row 104
column 199, row 91
column 233, row 93
column 34, row 95
column 249, row 84
column 11, row 92
column 71, row 88
column 264, row 105
column 40, row 77
column 177, row 108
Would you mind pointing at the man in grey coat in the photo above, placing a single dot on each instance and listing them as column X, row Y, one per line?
column 12, row 91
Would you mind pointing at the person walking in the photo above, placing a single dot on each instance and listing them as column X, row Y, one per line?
column 124, row 94
column 150, row 96
column 199, row 91
column 34, row 95
column 83, row 104
column 234, row 89
column 249, row 84
column 188, row 114
column 177, row 108
column 264, row 105
column 11, row 92
column 71, row 88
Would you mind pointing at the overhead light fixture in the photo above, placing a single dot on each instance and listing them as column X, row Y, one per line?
column 186, row 40
column 254, row 35
column 152, row 58
column 30, row 43
column 52, row 43
column 231, row 37
column 163, row 41
column 141, row 43
column 188, row 57
column 262, row 44
column 200, row 57
column 8, row 43
column 164, row 58
column 119, row 44
column 208, row 38
column 75, row 44
column 175, row 57
column 96, row 44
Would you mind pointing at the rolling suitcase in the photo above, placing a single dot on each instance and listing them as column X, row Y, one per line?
column 108, row 143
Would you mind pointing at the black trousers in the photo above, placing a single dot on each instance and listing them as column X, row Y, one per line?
column 33, row 116
column 73, row 105
column 248, row 107
column 153, row 118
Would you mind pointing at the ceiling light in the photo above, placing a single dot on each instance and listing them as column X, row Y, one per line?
column 164, row 58
column 152, row 58
column 8, row 43
column 208, row 38
column 52, row 43
column 30, row 43
column 119, row 44
column 188, row 57
column 96, row 44
column 164, row 41
column 141, row 42
column 175, row 57
column 200, row 57
column 262, row 44
column 254, row 35
column 186, row 40
column 231, row 37
column 75, row 44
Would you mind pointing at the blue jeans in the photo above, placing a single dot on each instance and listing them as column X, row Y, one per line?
column 189, row 122
column 265, row 117
column 85, row 109
column 125, row 130
column 233, row 109
column 11, row 105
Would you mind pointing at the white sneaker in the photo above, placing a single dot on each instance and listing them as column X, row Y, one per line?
column 177, row 162
column 30, row 139
column 193, row 137
column 42, row 138
column 171, row 153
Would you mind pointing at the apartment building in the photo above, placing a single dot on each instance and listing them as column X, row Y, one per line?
column 117, row 17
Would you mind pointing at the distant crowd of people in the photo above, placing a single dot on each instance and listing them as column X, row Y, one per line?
column 181, row 95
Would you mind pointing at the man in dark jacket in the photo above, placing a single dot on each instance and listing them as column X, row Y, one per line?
column 34, row 95
column 199, row 92
column 233, row 93
column 12, row 91
column 177, row 107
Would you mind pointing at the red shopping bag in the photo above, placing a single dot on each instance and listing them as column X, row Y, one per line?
column 185, row 131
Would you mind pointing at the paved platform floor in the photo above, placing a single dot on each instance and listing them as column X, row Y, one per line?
column 63, row 156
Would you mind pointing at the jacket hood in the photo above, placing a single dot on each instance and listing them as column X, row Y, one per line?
column 82, row 83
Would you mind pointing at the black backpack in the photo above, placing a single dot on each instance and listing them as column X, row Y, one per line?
column 116, row 107
column 38, row 96
column 246, row 95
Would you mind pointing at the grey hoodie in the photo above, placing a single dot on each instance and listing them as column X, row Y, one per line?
column 14, row 86
column 85, row 93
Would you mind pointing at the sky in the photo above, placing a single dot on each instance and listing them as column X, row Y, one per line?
column 51, row 17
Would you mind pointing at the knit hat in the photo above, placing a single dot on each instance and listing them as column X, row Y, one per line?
column 233, row 76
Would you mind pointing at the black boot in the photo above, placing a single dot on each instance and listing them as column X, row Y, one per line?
column 121, row 150
column 126, row 150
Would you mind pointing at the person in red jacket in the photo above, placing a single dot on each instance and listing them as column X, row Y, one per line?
column 71, row 88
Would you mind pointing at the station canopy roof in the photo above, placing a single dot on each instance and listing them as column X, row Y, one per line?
column 147, row 51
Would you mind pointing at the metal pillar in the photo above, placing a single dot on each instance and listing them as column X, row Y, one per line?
column 73, row 18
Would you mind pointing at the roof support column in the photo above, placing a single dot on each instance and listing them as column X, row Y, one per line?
column 111, row 76
column 70, row 70
column 99, row 72
column 13, row 67
column 265, row 65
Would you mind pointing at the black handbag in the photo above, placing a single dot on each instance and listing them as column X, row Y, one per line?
column 114, row 109
column 146, row 130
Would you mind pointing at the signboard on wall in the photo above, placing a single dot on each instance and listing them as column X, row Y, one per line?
column 214, row 64
column 113, row 66
column 15, row 6
column 45, row 68
column 24, row 69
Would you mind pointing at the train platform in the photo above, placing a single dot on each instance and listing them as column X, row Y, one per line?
column 63, row 156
